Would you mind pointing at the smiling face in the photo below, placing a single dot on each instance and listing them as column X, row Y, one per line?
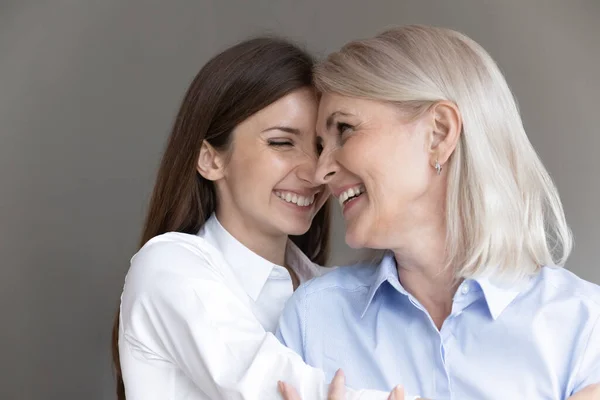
column 378, row 164
column 266, row 182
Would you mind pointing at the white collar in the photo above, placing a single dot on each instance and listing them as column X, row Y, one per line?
column 252, row 270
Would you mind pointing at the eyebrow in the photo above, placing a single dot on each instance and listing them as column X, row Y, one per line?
column 331, row 118
column 283, row 129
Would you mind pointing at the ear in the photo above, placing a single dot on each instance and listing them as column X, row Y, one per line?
column 447, row 128
column 210, row 162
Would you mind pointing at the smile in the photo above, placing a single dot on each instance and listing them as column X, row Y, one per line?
column 291, row 197
column 350, row 194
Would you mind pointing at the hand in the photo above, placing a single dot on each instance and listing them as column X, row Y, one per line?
column 590, row 392
column 337, row 390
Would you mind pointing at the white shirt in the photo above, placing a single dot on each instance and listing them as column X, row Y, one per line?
column 196, row 322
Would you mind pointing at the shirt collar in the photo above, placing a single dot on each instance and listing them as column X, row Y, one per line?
column 252, row 270
column 386, row 271
column 497, row 296
column 300, row 263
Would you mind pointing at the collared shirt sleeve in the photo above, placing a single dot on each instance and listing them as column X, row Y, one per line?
column 588, row 371
column 195, row 322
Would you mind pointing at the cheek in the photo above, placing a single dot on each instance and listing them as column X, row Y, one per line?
column 399, row 175
column 403, row 189
column 260, row 169
column 248, row 176
column 277, row 166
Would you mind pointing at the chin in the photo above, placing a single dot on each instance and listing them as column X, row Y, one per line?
column 356, row 235
column 295, row 229
column 354, row 241
column 362, row 238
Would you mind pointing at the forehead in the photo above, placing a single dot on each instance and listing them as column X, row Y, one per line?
column 331, row 103
column 333, row 107
column 298, row 106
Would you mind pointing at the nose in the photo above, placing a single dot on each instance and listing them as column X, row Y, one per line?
column 326, row 168
column 305, row 169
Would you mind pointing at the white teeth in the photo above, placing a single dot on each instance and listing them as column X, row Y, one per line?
column 301, row 201
column 352, row 192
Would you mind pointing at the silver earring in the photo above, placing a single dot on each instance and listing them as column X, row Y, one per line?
column 438, row 167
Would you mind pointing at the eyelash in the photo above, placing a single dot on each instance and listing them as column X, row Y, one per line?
column 280, row 143
column 343, row 128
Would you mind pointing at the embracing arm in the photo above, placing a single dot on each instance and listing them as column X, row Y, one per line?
column 198, row 324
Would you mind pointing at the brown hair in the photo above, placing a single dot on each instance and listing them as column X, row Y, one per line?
column 231, row 87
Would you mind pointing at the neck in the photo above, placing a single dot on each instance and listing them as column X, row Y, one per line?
column 423, row 272
column 269, row 247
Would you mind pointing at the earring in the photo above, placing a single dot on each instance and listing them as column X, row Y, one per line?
column 438, row 167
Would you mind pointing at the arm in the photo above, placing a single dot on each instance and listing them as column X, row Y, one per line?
column 197, row 323
column 588, row 371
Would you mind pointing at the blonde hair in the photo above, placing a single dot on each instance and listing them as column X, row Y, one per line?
column 503, row 212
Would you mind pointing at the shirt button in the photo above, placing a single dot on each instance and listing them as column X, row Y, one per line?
column 464, row 288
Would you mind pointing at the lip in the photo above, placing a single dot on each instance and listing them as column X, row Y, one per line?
column 348, row 206
column 338, row 191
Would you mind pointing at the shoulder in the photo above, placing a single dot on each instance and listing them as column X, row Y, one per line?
column 172, row 262
column 175, row 253
column 339, row 280
column 561, row 282
column 561, row 290
column 342, row 290
column 172, row 274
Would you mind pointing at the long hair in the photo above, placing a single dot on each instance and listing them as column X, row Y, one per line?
column 503, row 212
column 231, row 87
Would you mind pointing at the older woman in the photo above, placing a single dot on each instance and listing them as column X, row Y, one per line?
column 423, row 146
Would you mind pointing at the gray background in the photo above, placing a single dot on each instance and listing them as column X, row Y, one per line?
column 88, row 91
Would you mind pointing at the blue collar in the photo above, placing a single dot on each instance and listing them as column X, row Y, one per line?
column 497, row 297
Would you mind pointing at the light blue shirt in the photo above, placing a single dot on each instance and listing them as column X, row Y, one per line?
column 541, row 341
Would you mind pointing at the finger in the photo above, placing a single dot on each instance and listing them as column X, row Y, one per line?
column 337, row 389
column 590, row 392
column 397, row 393
column 288, row 392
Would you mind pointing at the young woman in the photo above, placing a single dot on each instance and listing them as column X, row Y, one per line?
column 235, row 223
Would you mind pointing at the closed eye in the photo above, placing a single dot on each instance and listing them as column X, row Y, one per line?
column 280, row 143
